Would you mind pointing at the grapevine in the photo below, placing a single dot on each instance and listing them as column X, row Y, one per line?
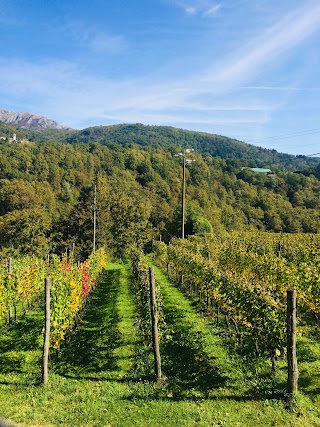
column 246, row 275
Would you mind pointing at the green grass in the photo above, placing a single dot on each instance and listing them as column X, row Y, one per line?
column 102, row 376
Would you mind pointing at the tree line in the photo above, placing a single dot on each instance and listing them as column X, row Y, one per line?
column 46, row 196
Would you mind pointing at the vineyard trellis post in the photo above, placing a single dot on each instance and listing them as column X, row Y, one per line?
column 10, row 308
column 291, row 342
column 154, row 322
column 46, row 339
column 94, row 217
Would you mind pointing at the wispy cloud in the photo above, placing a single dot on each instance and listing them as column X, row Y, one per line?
column 212, row 10
column 93, row 38
column 190, row 10
column 280, row 88
column 66, row 92
column 292, row 30
column 203, row 8
column 61, row 85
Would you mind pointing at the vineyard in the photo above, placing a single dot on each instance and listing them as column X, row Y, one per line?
column 214, row 353
column 22, row 288
column 244, row 277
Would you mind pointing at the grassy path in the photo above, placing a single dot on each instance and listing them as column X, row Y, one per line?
column 102, row 348
column 199, row 367
column 194, row 358
column 96, row 381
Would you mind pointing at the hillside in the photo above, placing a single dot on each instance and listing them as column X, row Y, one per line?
column 171, row 139
column 46, row 196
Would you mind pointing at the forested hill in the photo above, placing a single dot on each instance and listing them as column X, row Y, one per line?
column 46, row 194
column 171, row 138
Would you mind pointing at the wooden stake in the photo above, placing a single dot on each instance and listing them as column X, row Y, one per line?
column 168, row 269
column 291, row 342
column 10, row 308
column 10, row 265
column 10, row 315
column 46, row 340
column 154, row 322
column 94, row 217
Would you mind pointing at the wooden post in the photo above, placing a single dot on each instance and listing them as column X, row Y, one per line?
column 227, row 322
column 10, row 308
column 46, row 339
column 10, row 315
column 181, row 280
column 14, row 304
column 10, row 265
column 236, row 328
column 94, row 217
column 291, row 342
column 154, row 322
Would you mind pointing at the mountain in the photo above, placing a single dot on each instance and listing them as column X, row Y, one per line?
column 28, row 120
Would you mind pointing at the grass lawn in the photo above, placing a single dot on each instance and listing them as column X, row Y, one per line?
column 103, row 375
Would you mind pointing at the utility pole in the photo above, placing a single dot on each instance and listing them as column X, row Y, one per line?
column 183, row 210
column 183, row 200
column 94, row 217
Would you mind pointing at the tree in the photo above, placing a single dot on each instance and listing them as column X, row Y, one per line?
column 26, row 230
column 129, row 222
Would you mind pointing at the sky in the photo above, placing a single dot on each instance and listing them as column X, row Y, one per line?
column 246, row 69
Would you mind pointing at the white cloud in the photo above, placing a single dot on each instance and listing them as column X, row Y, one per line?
column 280, row 88
column 202, row 7
column 282, row 37
column 171, row 119
column 190, row 10
column 103, row 43
column 65, row 91
column 212, row 10
column 93, row 38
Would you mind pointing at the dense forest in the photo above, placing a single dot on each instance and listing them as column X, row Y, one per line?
column 170, row 138
column 46, row 188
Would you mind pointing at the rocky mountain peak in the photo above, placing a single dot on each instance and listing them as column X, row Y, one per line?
column 28, row 120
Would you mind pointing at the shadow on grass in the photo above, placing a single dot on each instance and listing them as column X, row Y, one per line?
column 309, row 383
column 10, row 363
column 93, row 351
column 22, row 335
column 184, row 358
column 18, row 340
column 191, row 372
column 90, row 348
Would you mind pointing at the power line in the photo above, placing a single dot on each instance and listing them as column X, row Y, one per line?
column 310, row 155
column 288, row 136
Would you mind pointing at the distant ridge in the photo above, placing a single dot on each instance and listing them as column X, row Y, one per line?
column 28, row 120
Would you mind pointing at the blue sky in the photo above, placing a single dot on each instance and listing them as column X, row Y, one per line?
column 247, row 69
